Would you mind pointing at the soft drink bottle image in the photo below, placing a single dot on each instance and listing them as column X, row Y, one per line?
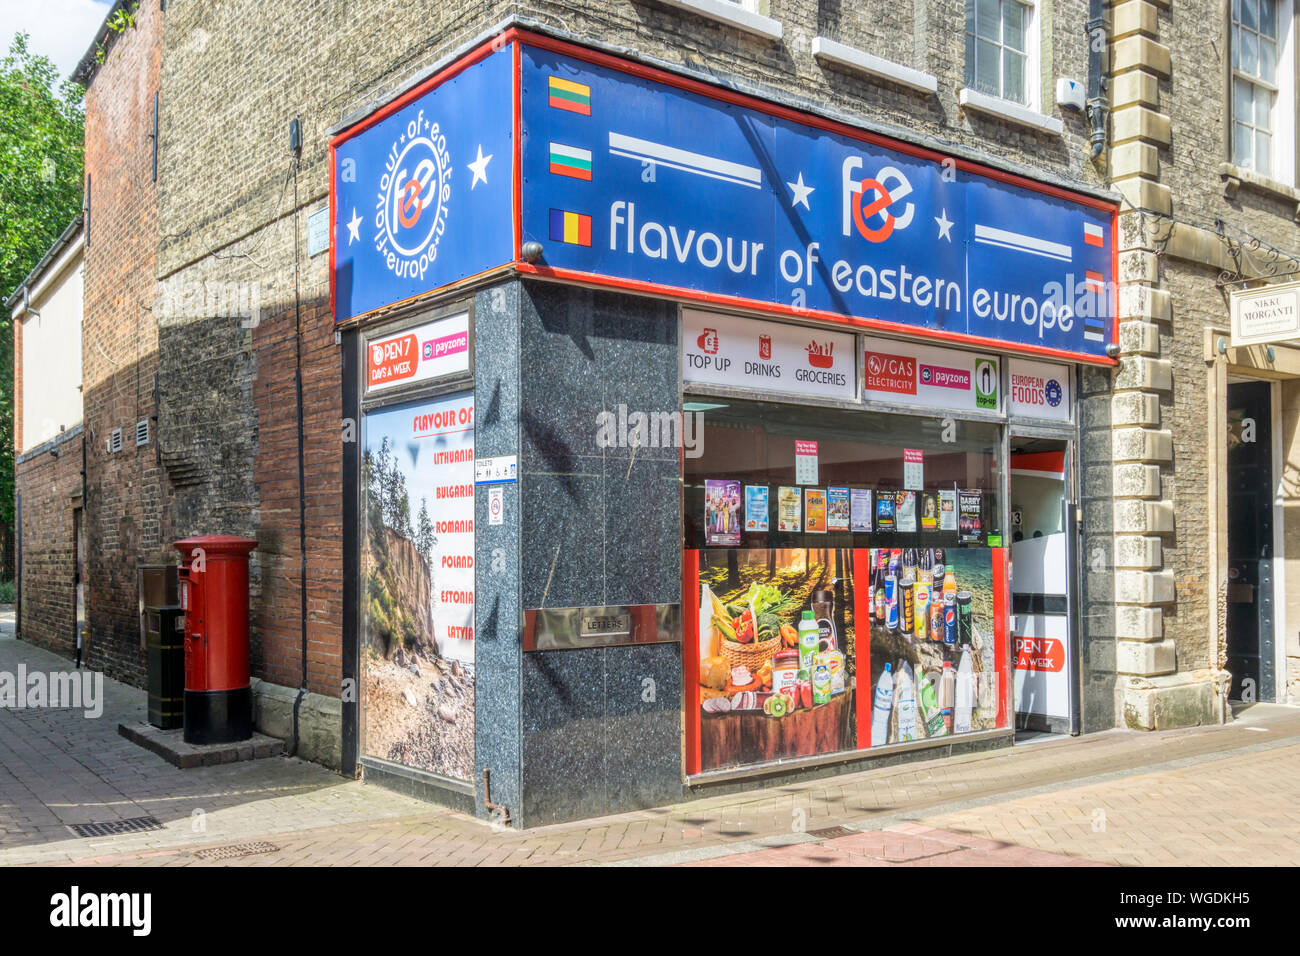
column 950, row 619
column 936, row 614
column 947, row 695
column 880, row 706
column 965, row 618
column 921, row 598
column 891, row 601
column 906, row 602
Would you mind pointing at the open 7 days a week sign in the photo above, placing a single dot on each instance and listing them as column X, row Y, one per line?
column 631, row 177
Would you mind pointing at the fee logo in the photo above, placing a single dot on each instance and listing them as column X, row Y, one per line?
column 869, row 204
column 411, row 204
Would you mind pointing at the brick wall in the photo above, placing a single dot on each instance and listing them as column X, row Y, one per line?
column 126, row 494
column 50, row 488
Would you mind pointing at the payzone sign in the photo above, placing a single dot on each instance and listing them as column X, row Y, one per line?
column 634, row 180
column 422, row 191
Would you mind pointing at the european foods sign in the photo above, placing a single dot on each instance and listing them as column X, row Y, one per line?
column 1269, row 314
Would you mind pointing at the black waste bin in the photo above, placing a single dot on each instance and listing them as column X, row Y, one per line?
column 165, row 649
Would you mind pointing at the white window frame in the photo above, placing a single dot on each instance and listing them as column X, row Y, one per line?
column 1033, row 69
column 1283, row 157
column 746, row 15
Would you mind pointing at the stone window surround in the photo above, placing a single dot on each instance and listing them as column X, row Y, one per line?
column 1234, row 178
column 1285, row 119
column 744, row 15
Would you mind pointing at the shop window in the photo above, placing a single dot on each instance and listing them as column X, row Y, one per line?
column 1001, row 49
column 851, row 575
column 1262, row 88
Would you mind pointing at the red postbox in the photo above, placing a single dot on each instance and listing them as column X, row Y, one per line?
column 214, row 596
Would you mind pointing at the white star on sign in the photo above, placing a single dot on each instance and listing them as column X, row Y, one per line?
column 479, row 168
column 801, row 193
column 354, row 226
column 944, row 225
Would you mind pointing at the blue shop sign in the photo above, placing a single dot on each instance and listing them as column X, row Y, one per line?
column 422, row 191
column 637, row 179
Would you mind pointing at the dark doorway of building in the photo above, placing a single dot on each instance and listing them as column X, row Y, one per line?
column 79, row 580
column 1250, row 541
column 1042, row 571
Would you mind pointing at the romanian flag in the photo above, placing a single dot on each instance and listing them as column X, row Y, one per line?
column 1092, row 235
column 571, row 227
column 571, row 161
column 567, row 95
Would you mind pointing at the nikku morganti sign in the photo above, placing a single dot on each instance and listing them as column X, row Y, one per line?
column 635, row 178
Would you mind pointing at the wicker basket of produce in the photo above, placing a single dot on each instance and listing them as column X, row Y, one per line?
column 750, row 628
column 753, row 655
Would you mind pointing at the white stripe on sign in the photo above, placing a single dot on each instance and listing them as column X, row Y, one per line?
column 573, row 152
column 1022, row 243
column 1092, row 229
column 698, row 163
column 1094, row 336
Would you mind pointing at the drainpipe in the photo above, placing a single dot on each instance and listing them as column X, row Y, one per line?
column 1096, row 82
column 295, row 145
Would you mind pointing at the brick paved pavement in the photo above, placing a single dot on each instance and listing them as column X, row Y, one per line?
column 1206, row 795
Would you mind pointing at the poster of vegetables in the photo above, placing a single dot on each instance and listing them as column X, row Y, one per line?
column 777, row 655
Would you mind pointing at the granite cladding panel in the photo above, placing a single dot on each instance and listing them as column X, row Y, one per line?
column 601, row 525
column 496, row 549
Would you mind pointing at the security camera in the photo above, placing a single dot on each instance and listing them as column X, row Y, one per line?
column 1112, row 350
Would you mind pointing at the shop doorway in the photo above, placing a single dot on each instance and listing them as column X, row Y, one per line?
column 1043, row 574
column 1250, row 614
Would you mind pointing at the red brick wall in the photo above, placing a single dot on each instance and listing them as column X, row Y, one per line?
column 49, row 487
column 127, row 498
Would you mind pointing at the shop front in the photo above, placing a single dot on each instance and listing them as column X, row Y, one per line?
column 701, row 441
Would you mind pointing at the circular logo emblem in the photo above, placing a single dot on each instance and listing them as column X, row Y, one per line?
column 377, row 355
column 1053, row 392
column 412, row 199
column 925, row 375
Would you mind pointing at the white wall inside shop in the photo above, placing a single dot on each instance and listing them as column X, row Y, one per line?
column 51, row 351
column 1039, row 502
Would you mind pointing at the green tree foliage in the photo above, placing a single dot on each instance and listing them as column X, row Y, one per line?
column 41, row 138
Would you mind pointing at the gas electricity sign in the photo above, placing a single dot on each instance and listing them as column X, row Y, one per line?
column 770, row 356
column 421, row 192
column 902, row 373
column 631, row 176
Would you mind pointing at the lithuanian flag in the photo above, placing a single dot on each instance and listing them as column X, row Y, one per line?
column 571, row 161
column 570, row 227
column 567, row 95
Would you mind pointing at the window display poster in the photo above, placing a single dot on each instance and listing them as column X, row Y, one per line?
column 929, row 511
column 721, row 512
column 947, row 511
column 789, row 507
column 885, row 511
column 417, row 584
column 756, row 501
column 860, row 509
column 837, row 509
column 805, row 462
column 905, row 510
column 913, row 469
column 946, row 676
column 756, row 703
column 814, row 506
column 971, row 520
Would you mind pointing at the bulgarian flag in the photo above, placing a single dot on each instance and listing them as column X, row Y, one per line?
column 571, row 161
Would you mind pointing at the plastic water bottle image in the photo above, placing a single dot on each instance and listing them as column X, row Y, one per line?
column 965, row 695
column 880, row 707
column 905, row 694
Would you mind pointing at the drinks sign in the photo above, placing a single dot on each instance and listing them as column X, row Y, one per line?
column 752, row 354
column 1270, row 314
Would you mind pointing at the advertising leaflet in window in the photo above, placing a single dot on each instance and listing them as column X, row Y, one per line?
column 767, row 356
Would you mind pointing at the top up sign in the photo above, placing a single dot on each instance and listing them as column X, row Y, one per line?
column 638, row 179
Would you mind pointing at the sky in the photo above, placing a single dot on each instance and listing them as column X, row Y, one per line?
column 60, row 29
